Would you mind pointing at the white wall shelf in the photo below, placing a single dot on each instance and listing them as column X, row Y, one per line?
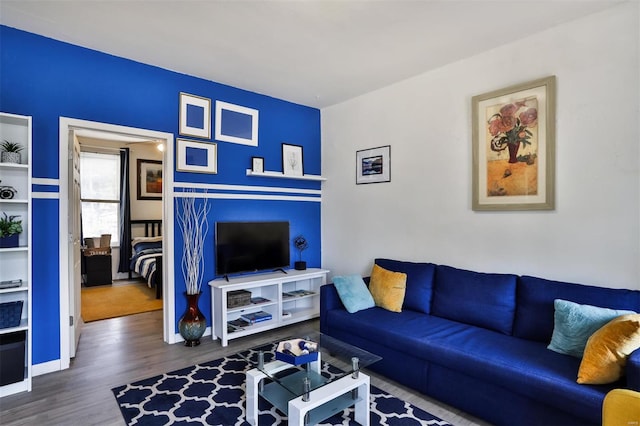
column 281, row 175
column 270, row 286
column 15, row 262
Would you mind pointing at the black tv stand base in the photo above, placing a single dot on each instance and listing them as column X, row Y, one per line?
column 280, row 269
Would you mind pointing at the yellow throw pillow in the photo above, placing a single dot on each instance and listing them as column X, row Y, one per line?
column 387, row 288
column 607, row 350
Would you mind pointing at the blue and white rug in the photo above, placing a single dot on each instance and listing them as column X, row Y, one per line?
column 213, row 393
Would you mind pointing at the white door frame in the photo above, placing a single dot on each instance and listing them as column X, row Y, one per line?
column 67, row 124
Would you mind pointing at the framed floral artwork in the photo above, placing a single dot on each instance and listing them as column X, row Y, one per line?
column 513, row 133
column 292, row 160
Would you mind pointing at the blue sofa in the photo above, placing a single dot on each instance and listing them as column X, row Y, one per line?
column 478, row 342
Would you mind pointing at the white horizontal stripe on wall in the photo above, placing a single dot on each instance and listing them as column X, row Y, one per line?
column 45, row 181
column 246, row 196
column 218, row 187
column 50, row 195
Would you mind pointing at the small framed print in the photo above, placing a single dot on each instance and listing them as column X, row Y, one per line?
column 292, row 160
column 257, row 164
column 195, row 116
column 194, row 156
column 236, row 124
column 373, row 165
column 149, row 179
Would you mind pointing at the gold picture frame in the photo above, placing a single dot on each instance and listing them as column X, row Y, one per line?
column 513, row 136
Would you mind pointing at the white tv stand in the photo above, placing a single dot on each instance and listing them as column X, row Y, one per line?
column 284, row 309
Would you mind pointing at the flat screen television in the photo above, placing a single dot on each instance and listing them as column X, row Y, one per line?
column 251, row 246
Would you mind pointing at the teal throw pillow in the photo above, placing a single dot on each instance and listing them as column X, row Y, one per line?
column 575, row 323
column 353, row 292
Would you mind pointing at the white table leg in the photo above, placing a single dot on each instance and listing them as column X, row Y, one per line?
column 253, row 379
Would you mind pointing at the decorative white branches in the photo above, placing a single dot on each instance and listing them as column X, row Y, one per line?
column 194, row 226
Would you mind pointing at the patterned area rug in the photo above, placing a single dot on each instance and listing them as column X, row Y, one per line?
column 213, row 393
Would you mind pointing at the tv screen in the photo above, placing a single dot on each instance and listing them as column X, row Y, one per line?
column 251, row 246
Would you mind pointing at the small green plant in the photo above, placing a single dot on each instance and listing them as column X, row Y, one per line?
column 8, row 146
column 9, row 225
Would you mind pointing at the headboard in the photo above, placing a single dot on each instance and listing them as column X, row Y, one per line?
column 153, row 225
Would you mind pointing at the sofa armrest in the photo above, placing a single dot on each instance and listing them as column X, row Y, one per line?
column 329, row 300
column 633, row 370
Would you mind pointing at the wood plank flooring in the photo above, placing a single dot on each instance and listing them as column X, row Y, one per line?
column 118, row 351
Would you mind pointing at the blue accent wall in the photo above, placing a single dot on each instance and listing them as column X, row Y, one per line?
column 47, row 79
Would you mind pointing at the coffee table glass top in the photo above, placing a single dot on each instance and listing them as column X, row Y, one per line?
column 338, row 354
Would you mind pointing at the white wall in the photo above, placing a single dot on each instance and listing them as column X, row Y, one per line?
column 424, row 213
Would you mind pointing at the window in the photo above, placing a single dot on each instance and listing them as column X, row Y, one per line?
column 100, row 195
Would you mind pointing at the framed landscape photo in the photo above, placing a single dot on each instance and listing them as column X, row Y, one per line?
column 195, row 156
column 292, row 160
column 373, row 165
column 149, row 180
column 236, row 124
column 513, row 136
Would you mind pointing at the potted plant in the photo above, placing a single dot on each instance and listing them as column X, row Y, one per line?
column 301, row 244
column 10, row 229
column 192, row 219
column 10, row 152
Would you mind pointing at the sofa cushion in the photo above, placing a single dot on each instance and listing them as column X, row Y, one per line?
column 608, row 349
column 575, row 323
column 419, row 282
column 388, row 288
column 485, row 300
column 534, row 316
column 353, row 292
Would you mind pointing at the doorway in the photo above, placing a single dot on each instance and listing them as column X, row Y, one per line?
column 69, row 285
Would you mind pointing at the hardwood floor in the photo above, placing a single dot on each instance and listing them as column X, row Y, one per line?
column 122, row 350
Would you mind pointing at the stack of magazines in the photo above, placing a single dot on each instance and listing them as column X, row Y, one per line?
column 255, row 317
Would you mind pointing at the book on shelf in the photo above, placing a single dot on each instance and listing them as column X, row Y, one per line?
column 297, row 293
column 255, row 317
column 257, row 300
column 237, row 324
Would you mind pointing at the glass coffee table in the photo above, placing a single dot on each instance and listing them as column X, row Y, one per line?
column 312, row 392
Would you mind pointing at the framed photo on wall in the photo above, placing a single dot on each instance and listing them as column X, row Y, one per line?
column 149, row 179
column 257, row 164
column 236, row 124
column 195, row 116
column 513, row 133
column 373, row 165
column 292, row 160
column 195, row 156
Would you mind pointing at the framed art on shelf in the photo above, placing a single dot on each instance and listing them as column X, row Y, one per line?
column 373, row 165
column 236, row 124
column 195, row 116
column 149, row 179
column 194, row 156
column 513, row 133
column 292, row 160
column 257, row 164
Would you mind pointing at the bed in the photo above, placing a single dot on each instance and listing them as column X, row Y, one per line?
column 146, row 254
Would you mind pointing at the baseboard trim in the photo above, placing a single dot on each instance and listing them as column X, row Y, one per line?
column 46, row 367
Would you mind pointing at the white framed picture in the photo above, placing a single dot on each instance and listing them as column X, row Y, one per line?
column 194, row 156
column 292, row 160
column 373, row 165
column 195, row 116
column 236, row 124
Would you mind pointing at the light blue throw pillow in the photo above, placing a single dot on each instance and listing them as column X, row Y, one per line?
column 575, row 323
column 353, row 292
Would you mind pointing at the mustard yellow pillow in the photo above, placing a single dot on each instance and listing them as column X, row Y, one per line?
column 605, row 355
column 387, row 288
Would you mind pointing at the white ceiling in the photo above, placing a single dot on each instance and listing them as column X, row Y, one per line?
column 314, row 52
